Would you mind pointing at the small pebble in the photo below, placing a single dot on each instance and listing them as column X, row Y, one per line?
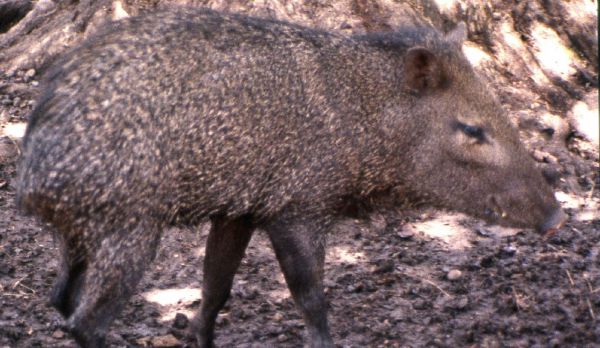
column 454, row 275
column 538, row 155
column 278, row 316
column 482, row 232
column 167, row 341
column 281, row 338
column 420, row 304
column 461, row 303
column 509, row 250
column 221, row 320
column 58, row 334
column 549, row 132
column 30, row 73
column 405, row 234
column 385, row 266
column 345, row 26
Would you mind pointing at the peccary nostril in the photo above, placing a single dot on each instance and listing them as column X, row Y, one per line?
column 554, row 221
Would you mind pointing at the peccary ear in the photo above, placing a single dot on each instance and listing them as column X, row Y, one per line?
column 458, row 35
column 421, row 70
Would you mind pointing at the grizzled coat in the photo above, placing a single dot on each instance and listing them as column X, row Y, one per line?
column 188, row 114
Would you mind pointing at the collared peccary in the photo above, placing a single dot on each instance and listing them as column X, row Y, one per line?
column 186, row 114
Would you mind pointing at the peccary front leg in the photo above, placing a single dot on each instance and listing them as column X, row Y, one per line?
column 66, row 292
column 111, row 275
column 225, row 248
column 300, row 249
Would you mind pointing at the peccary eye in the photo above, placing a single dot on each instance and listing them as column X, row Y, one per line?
column 474, row 132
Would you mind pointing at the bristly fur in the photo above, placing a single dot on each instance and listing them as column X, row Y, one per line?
column 182, row 115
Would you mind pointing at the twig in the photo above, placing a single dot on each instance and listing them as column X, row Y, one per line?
column 436, row 286
column 14, row 295
column 18, row 282
column 16, row 144
column 591, row 309
column 28, row 288
column 427, row 281
column 592, row 290
column 589, row 197
column 576, row 230
column 570, row 279
column 516, row 297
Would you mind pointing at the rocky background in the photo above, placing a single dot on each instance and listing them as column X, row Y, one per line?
column 401, row 279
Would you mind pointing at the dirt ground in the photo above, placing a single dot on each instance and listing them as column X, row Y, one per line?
column 402, row 279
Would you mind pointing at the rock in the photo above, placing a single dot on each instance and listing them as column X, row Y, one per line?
column 583, row 117
column 551, row 175
column 525, row 120
column 538, row 155
column 385, row 266
column 456, row 303
column 454, row 275
column 482, row 232
column 181, row 321
column 345, row 26
column 548, row 158
column 549, row 131
column 166, row 341
column 9, row 152
column 554, row 126
column 222, row 320
column 405, row 233
column 397, row 314
column 420, row 304
column 30, row 73
column 58, row 334
column 508, row 251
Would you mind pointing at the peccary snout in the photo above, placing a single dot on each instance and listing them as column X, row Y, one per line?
column 550, row 218
column 524, row 200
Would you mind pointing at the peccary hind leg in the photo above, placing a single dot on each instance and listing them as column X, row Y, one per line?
column 111, row 275
column 225, row 248
column 300, row 249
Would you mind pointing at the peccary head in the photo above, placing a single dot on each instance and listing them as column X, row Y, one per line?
column 467, row 155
